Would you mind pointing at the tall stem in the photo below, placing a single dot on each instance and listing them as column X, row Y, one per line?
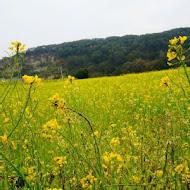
column 16, row 169
column 21, row 115
column 184, row 67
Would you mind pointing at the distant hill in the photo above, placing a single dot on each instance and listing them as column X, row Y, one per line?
column 109, row 56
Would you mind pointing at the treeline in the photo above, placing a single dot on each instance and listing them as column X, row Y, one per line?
column 112, row 55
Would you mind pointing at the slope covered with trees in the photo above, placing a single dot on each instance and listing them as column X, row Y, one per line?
column 109, row 56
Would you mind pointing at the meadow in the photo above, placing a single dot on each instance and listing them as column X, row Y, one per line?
column 124, row 132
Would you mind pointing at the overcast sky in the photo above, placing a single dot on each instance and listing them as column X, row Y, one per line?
column 42, row 22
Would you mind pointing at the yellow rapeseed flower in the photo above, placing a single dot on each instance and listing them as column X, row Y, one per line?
column 171, row 55
column 136, row 179
column 17, row 47
column 165, row 82
column 1, row 168
column 31, row 79
column 13, row 145
column 28, row 79
column 173, row 41
column 182, row 39
column 159, row 173
column 61, row 160
column 4, row 139
column 179, row 168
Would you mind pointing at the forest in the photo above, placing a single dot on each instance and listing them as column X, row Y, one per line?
column 105, row 57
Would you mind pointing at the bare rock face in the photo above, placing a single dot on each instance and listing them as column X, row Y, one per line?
column 40, row 63
column 33, row 64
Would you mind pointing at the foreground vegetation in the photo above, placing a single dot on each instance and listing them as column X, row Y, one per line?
column 125, row 132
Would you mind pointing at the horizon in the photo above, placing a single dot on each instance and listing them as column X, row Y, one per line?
column 109, row 37
column 44, row 22
column 99, row 38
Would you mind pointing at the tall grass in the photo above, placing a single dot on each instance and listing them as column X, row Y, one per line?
column 125, row 132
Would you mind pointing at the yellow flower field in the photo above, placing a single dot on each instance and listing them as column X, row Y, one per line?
column 125, row 132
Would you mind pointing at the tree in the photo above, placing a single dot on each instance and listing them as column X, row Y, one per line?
column 82, row 73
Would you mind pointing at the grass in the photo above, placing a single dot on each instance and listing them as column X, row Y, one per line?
column 125, row 132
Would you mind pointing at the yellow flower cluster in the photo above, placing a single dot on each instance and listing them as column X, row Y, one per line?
column 88, row 181
column 159, row 173
column 183, row 170
column 17, row 47
column 54, row 189
column 136, row 179
column 165, row 82
column 115, row 141
column 31, row 171
column 175, row 40
column 57, row 101
column 50, row 128
column 61, row 160
column 175, row 49
column 30, row 79
column 4, row 139
column 171, row 55
column 70, row 79
column 108, row 157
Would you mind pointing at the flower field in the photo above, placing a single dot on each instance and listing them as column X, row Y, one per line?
column 125, row 132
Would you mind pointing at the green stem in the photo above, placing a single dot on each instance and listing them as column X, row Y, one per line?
column 96, row 148
column 77, row 151
column 17, row 170
column 184, row 67
column 21, row 115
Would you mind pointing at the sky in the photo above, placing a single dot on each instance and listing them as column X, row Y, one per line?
column 43, row 22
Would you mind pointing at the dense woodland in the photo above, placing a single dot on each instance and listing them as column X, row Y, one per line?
column 109, row 56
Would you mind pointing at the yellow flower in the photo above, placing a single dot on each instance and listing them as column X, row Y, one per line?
column 13, row 43
column 71, row 78
column 4, row 139
column 119, row 158
column 84, row 186
column 182, row 39
column 179, row 168
column 17, row 47
column 23, row 47
column 171, row 55
column 159, row 173
column 28, row 79
column 136, row 179
column 31, row 79
column 13, row 145
column 1, row 168
column 37, row 80
column 173, row 41
column 106, row 159
column 60, row 160
column 96, row 133
column 57, row 101
column 6, row 120
column 115, row 141
column 165, row 82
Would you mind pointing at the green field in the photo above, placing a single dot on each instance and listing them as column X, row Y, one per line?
column 125, row 132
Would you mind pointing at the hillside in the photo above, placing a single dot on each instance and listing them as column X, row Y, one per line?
column 109, row 56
